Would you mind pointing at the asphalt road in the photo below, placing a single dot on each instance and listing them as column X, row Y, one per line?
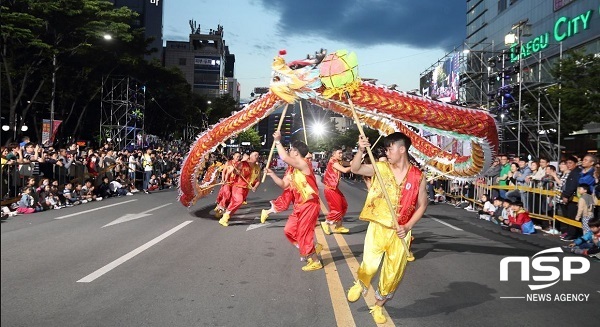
column 145, row 260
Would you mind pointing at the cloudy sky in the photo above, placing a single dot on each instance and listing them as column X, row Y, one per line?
column 395, row 40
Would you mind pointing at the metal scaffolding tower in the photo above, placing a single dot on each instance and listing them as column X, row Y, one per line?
column 122, row 111
column 514, row 90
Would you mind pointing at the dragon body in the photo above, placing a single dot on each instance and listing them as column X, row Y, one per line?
column 378, row 107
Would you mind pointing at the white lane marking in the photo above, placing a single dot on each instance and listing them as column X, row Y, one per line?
column 95, row 209
column 445, row 223
column 255, row 226
column 91, row 277
column 133, row 216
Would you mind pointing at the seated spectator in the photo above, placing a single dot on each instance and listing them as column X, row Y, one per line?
column 43, row 196
column 26, row 204
column 588, row 243
column 103, row 189
column 55, row 201
column 518, row 219
column 496, row 217
column 117, row 188
column 165, row 181
column 88, row 192
column 488, row 208
column 440, row 195
column 153, row 183
column 77, row 187
column 70, row 199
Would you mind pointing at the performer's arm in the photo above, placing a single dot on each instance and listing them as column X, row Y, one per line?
column 341, row 168
column 356, row 165
column 422, row 202
column 296, row 162
column 280, row 182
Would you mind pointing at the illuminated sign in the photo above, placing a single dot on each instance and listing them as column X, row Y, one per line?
column 564, row 28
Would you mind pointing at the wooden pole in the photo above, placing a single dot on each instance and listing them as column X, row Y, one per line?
column 377, row 173
column 273, row 145
column 323, row 206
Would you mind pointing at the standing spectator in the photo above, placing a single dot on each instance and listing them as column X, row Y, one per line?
column 147, row 165
column 569, row 207
column 587, row 172
column 520, row 176
column 585, row 207
column 493, row 173
column 503, row 175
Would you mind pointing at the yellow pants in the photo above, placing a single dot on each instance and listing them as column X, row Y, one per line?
column 379, row 241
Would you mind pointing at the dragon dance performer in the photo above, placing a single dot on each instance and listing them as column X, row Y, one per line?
column 282, row 202
column 246, row 178
column 335, row 198
column 407, row 188
column 300, row 227
column 227, row 177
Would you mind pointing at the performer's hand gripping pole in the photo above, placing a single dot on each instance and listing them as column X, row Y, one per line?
column 377, row 173
column 273, row 145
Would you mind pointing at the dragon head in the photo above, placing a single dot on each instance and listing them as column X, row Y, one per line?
column 298, row 79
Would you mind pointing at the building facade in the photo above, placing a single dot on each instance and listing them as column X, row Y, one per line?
column 204, row 63
column 510, row 49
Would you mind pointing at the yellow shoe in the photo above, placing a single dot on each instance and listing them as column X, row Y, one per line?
column 318, row 248
column 355, row 292
column 312, row 265
column 225, row 220
column 341, row 230
column 377, row 313
column 245, row 202
column 264, row 214
column 410, row 257
column 325, row 227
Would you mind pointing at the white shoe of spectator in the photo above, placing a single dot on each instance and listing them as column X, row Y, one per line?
column 84, row 201
column 537, row 226
column 135, row 191
column 470, row 208
column 57, row 207
column 129, row 193
column 99, row 198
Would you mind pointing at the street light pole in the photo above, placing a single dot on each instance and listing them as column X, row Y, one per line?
column 53, row 95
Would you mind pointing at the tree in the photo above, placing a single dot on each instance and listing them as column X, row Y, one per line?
column 41, row 36
column 578, row 90
column 250, row 135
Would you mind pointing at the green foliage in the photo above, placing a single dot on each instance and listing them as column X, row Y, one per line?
column 579, row 90
column 250, row 135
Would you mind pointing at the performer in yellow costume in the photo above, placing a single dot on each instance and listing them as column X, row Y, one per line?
column 407, row 188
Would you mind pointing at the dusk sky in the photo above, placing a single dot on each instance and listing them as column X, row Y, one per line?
column 395, row 40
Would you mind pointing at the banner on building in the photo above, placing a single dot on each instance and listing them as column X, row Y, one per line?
column 46, row 137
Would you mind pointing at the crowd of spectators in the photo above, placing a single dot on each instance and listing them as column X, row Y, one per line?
column 547, row 190
column 36, row 178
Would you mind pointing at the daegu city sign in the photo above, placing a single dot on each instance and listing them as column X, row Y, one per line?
column 564, row 28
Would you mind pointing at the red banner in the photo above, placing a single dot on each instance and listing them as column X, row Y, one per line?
column 46, row 137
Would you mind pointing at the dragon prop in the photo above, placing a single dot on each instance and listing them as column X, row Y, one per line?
column 331, row 82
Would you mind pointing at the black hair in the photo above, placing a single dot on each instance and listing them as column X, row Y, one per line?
column 594, row 222
column 397, row 137
column 586, row 187
column 335, row 148
column 301, row 147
